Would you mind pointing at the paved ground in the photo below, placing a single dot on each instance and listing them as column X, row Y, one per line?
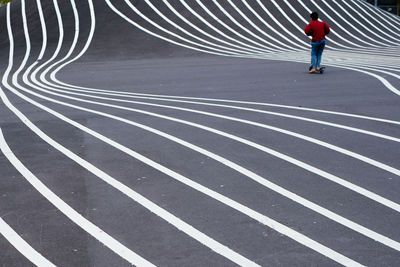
column 309, row 170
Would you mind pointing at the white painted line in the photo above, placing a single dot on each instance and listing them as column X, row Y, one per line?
column 259, row 179
column 20, row 244
column 227, row 201
column 349, row 24
column 384, row 81
column 378, row 12
column 176, row 222
column 261, row 218
column 362, row 24
column 356, row 227
column 126, row 93
column 73, row 215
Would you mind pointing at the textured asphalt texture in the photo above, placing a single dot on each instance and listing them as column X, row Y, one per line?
column 122, row 58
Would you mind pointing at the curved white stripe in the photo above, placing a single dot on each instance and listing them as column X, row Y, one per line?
column 384, row 81
column 287, row 47
column 338, row 3
column 376, row 10
column 358, row 47
column 353, row 27
column 64, row 103
column 179, row 15
column 113, row 8
column 289, row 36
column 137, row 11
column 82, row 127
column 219, row 21
column 123, row 93
column 213, row 194
column 77, row 218
column 257, row 178
column 111, row 243
column 73, row 215
column 187, row 32
column 308, row 167
column 15, row 240
column 198, row 16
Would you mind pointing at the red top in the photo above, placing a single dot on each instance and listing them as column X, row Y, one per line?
column 317, row 29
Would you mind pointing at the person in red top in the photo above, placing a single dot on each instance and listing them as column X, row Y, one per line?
column 317, row 29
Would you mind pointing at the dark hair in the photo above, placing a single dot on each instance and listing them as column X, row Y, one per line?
column 314, row 16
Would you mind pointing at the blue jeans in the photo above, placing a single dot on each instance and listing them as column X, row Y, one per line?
column 316, row 53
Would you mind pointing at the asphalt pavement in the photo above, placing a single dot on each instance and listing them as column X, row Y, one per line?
column 187, row 158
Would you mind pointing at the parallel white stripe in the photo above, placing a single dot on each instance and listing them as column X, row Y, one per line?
column 205, row 240
column 304, row 240
column 137, row 11
column 338, row 149
column 289, row 36
column 348, row 23
column 184, row 19
column 306, row 22
column 255, row 177
column 358, row 47
column 44, row 33
column 203, row 20
column 181, row 225
column 362, row 24
column 359, row 50
column 87, row 44
column 277, row 22
column 226, row 26
column 375, row 163
column 376, row 10
column 73, row 215
column 338, row 257
column 308, row 167
column 222, row 160
column 287, row 18
column 99, row 234
column 326, row 14
column 384, row 81
column 125, row 93
column 113, row 8
column 187, row 32
column 164, row 98
column 15, row 240
column 287, row 47
column 74, row 41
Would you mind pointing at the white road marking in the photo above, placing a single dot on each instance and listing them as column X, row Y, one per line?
column 107, row 240
column 15, row 239
column 42, row 76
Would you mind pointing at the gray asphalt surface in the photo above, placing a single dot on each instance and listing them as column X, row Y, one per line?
column 123, row 58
